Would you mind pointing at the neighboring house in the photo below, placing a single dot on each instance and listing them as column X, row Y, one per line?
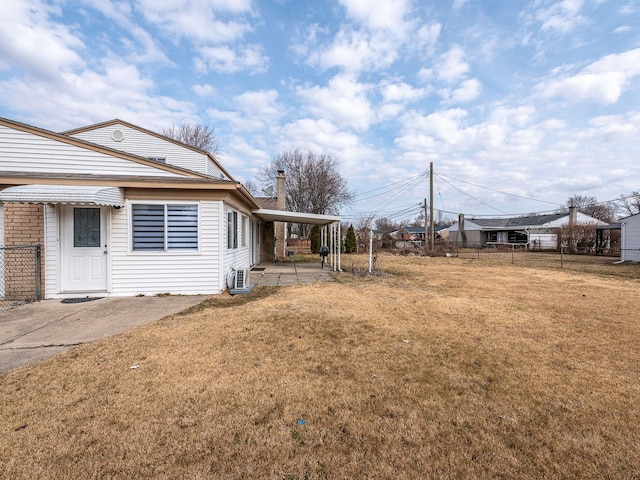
column 537, row 231
column 120, row 210
column 407, row 237
column 630, row 239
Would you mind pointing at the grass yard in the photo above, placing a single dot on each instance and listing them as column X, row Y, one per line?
column 446, row 368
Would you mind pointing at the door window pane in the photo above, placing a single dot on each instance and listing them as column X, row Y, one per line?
column 86, row 227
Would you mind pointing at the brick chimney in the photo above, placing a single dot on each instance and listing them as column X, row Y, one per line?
column 573, row 215
column 280, row 242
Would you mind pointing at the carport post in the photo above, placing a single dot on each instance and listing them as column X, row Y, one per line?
column 339, row 246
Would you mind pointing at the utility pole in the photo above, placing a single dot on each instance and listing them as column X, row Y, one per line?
column 426, row 227
column 432, row 237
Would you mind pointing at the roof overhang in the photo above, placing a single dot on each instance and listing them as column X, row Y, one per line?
column 72, row 194
column 294, row 217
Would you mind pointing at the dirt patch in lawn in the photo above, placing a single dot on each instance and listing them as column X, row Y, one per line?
column 444, row 368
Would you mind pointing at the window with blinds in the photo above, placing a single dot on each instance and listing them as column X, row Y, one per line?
column 158, row 227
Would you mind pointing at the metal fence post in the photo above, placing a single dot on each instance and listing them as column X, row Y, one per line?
column 38, row 272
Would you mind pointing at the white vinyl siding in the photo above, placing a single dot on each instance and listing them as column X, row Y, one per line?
column 51, row 251
column 176, row 272
column 145, row 145
column 237, row 258
column 26, row 152
column 630, row 239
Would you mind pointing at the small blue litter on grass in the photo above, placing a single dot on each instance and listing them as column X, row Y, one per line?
column 301, row 422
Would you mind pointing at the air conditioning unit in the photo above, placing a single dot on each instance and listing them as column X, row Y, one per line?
column 238, row 279
column 242, row 279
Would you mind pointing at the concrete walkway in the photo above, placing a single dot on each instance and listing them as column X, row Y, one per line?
column 290, row 273
column 41, row 329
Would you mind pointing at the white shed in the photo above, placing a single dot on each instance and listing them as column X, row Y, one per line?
column 630, row 239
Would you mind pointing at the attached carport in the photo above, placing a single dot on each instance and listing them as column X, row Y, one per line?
column 330, row 233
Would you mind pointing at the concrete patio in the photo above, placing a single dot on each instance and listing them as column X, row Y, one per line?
column 290, row 273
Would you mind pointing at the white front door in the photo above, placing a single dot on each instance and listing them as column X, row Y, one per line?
column 84, row 249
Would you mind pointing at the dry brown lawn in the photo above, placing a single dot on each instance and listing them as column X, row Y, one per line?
column 447, row 368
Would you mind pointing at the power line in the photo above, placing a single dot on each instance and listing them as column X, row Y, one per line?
column 497, row 191
column 366, row 196
column 472, row 197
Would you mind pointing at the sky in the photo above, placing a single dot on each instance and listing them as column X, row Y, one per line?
column 519, row 104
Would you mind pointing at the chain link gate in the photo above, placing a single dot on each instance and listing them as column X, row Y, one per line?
column 20, row 275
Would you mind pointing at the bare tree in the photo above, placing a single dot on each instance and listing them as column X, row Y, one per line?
column 197, row 135
column 253, row 188
column 630, row 203
column 386, row 224
column 313, row 183
column 604, row 211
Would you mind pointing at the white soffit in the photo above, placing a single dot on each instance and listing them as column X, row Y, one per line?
column 73, row 194
column 294, row 217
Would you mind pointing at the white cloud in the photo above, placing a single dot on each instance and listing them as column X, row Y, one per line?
column 467, row 91
column 563, row 16
column 231, row 60
column 452, row 66
column 427, row 37
column 343, row 101
column 610, row 128
column 402, row 92
column 623, row 29
column 386, row 15
column 373, row 42
column 198, row 20
column 505, row 129
column 242, row 156
column 253, row 111
column 204, row 91
column 458, row 4
column 90, row 97
column 322, row 136
column 602, row 82
column 356, row 51
column 263, row 104
column 31, row 41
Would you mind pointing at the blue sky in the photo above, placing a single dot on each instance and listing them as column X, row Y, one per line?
column 519, row 104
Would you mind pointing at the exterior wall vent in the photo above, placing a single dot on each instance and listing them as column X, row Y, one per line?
column 117, row 135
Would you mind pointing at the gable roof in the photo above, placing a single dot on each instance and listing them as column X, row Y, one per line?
column 117, row 121
column 175, row 178
column 529, row 220
column 23, row 127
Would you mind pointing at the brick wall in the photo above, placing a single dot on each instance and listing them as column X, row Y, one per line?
column 23, row 225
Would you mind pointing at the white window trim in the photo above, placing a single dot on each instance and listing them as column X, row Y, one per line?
column 245, row 231
column 231, row 211
column 172, row 252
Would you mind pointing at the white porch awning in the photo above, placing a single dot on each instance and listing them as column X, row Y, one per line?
column 73, row 194
column 294, row 217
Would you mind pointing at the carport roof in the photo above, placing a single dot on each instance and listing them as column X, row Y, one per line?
column 294, row 217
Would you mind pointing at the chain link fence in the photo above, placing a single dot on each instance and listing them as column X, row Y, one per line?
column 20, row 275
column 631, row 254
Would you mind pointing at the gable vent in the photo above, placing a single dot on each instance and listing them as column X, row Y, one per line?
column 117, row 135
